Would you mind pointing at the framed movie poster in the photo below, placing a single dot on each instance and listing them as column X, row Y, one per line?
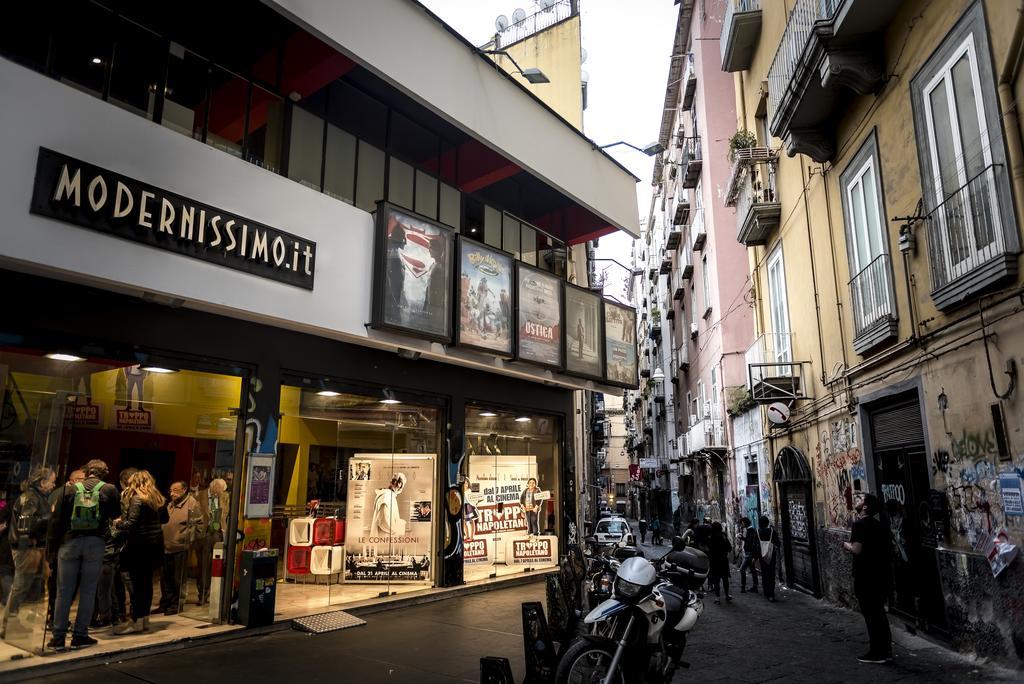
column 584, row 342
column 621, row 366
column 539, row 304
column 484, row 299
column 412, row 289
column 259, row 486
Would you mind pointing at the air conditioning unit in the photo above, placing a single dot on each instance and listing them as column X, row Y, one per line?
column 693, row 329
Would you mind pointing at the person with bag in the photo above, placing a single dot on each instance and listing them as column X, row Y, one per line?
column 751, row 555
column 77, row 528
column 656, row 530
column 768, row 542
column 26, row 533
column 141, row 528
column 872, row 554
column 180, row 534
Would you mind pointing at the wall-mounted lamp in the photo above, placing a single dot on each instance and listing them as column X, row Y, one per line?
column 649, row 149
column 531, row 74
column 943, row 402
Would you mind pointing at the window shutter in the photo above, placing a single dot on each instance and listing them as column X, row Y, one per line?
column 896, row 427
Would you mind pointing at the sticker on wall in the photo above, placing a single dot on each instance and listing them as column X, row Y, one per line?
column 1010, row 487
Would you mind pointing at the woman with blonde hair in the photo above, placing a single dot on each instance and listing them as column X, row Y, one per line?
column 143, row 514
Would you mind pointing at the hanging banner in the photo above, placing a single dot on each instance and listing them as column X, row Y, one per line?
column 388, row 531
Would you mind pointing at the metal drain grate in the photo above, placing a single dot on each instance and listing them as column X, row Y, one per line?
column 326, row 622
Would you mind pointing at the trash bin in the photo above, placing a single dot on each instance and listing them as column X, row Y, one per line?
column 258, row 588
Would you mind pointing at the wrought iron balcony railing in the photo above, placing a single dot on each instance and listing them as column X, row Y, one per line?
column 871, row 293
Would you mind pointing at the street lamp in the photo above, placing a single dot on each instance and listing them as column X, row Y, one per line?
column 649, row 149
column 531, row 74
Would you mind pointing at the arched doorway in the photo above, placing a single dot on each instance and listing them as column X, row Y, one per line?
column 792, row 475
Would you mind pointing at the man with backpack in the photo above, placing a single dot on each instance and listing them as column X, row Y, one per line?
column 77, row 528
column 27, row 533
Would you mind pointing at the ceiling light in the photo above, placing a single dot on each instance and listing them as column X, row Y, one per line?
column 328, row 393
column 488, row 414
column 64, row 357
column 159, row 369
column 390, row 401
column 523, row 419
column 97, row 60
column 389, row 398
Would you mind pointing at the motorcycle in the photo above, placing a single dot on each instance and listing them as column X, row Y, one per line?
column 639, row 633
column 602, row 568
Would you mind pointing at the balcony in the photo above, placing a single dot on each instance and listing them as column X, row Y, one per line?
column 972, row 239
column 689, row 82
column 682, row 214
column 740, row 30
column 673, row 239
column 704, row 435
column 830, row 50
column 680, row 360
column 691, row 161
column 752, row 191
column 771, row 373
column 698, row 233
column 655, row 332
column 666, row 262
column 874, row 317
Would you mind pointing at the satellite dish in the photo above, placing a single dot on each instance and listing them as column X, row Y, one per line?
column 546, row 4
column 584, row 76
column 501, row 23
column 583, row 55
column 778, row 413
column 518, row 15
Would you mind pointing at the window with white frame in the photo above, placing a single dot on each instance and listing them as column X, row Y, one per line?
column 702, row 399
column 864, row 213
column 714, row 393
column 971, row 226
column 779, row 348
column 706, row 281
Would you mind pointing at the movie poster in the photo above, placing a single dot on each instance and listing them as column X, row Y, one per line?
column 584, row 353
column 485, row 298
column 540, row 317
column 415, row 288
column 389, row 521
column 620, row 345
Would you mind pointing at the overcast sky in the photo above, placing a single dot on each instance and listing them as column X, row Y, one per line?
column 628, row 44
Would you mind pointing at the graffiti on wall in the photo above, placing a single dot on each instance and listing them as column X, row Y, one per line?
column 840, row 469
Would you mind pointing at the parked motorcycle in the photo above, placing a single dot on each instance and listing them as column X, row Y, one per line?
column 639, row 633
column 602, row 567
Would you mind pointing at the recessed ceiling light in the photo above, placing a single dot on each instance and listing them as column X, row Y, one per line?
column 328, row 393
column 159, row 369
column 64, row 357
column 390, row 401
column 523, row 419
column 488, row 414
column 97, row 60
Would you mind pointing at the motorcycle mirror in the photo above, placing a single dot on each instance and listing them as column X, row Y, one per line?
column 678, row 543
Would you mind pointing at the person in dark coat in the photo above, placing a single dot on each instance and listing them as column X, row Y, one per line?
column 142, row 526
column 720, row 548
column 766, row 535
column 751, row 555
column 872, row 553
column 642, row 526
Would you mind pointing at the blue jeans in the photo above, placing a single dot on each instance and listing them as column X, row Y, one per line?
column 78, row 556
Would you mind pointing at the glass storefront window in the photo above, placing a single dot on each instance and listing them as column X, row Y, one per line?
column 355, row 488
column 512, row 492
column 178, row 425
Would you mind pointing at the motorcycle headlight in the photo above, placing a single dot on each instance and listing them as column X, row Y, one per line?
column 627, row 589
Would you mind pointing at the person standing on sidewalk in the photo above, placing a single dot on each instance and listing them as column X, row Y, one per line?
column 720, row 550
column 656, row 531
column 26, row 532
column 869, row 544
column 141, row 527
column 80, row 520
column 768, row 541
column 180, row 533
column 642, row 526
column 751, row 555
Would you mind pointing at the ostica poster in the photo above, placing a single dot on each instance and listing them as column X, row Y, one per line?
column 620, row 345
column 485, row 298
column 540, row 317
column 388, row 531
column 584, row 353
column 414, row 288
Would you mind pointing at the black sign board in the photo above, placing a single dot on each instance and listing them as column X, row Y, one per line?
column 71, row 190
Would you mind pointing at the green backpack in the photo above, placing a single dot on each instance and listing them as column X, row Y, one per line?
column 85, row 512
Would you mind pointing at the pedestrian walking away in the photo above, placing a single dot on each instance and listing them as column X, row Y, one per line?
column 656, row 531
column 720, row 550
column 642, row 526
column 77, row 529
column 751, row 552
column 768, row 541
column 871, row 549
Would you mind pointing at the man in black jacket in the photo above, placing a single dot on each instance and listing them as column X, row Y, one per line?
column 27, row 533
column 79, row 522
column 751, row 554
column 870, row 545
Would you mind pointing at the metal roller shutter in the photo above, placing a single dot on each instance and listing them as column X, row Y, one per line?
column 897, row 426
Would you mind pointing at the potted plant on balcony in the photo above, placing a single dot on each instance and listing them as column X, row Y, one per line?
column 741, row 140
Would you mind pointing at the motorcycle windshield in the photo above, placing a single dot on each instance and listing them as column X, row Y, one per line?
column 604, row 610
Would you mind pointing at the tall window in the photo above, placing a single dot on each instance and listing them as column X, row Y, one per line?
column 870, row 271
column 706, row 279
column 780, row 344
column 971, row 227
column 714, row 393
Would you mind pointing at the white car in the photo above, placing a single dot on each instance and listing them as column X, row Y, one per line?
column 612, row 531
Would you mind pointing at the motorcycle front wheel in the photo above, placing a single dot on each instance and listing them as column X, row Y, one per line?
column 587, row 662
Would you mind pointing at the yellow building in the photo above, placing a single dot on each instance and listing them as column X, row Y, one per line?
column 878, row 185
